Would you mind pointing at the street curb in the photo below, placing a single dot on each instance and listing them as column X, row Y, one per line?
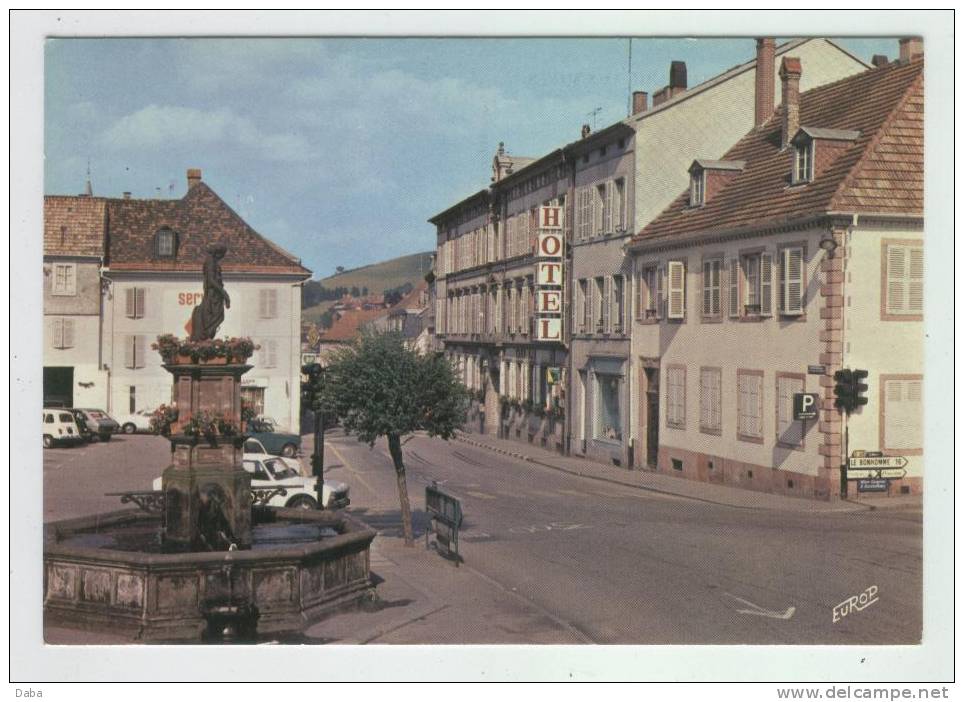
column 856, row 508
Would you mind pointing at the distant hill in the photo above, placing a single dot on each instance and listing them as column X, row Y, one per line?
column 377, row 277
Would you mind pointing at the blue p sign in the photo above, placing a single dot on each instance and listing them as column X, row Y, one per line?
column 805, row 405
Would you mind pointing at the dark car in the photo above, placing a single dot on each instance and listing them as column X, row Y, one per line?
column 99, row 423
column 275, row 442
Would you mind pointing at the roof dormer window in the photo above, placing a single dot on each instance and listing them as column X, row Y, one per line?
column 697, row 187
column 803, row 162
column 165, row 243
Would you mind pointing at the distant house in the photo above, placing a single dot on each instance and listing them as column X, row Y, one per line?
column 348, row 325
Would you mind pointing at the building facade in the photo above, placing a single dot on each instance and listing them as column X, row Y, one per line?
column 797, row 254
column 153, row 282
column 74, row 233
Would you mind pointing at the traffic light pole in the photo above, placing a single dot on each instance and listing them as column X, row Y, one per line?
column 318, row 457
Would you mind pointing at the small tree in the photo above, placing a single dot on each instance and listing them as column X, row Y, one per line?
column 380, row 387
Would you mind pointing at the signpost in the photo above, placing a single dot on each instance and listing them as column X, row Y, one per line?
column 549, row 274
column 873, row 485
column 872, row 470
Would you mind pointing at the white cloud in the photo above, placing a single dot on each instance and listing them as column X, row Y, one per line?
column 157, row 126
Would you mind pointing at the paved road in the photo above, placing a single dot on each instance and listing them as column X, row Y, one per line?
column 622, row 565
column 614, row 564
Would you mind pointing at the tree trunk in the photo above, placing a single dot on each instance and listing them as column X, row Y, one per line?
column 395, row 448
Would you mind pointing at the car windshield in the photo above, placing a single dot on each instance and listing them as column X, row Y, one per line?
column 279, row 469
column 64, row 417
column 262, row 425
column 94, row 414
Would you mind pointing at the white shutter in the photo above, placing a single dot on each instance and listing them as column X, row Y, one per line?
column 766, row 284
column 660, row 292
column 792, row 280
column 139, row 351
column 129, row 308
column 902, row 414
column 57, row 327
column 896, row 278
column 71, row 279
column 915, row 280
column 273, row 353
column 607, row 207
column 139, row 302
column 607, row 303
column 734, row 281
column 524, row 322
column 262, row 304
column 677, row 290
column 707, row 301
column 129, row 352
column 68, row 335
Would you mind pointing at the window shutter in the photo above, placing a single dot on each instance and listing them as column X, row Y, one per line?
column 902, row 414
column 766, row 284
column 607, row 205
column 68, row 333
column 915, row 280
column 71, row 276
column 273, row 353
column 793, row 271
column 896, row 275
column 660, row 292
column 707, row 291
column 129, row 352
column 607, row 303
column 139, row 351
column 262, row 303
column 139, row 294
column 734, row 281
column 129, row 303
column 677, row 284
column 57, row 327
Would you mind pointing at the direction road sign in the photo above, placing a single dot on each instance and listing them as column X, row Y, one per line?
column 893, row 473
column 861, row 473
column 882, row 462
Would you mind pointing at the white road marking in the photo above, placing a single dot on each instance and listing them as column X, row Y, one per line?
column 552, row 526
column 480, row 495
column 760, row 611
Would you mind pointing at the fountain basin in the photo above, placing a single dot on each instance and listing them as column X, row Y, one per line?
column 102, row 573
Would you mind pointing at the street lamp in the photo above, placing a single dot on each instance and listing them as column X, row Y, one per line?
column 316, row 379
column 828, row 244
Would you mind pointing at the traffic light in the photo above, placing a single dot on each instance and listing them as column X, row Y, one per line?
column 859, row 388
column 310, row 388
column 844, row 389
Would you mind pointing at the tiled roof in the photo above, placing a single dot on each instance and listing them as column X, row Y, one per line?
column 882, row 171
column 412, row 301
column 200, row 218
column 348, row 325
column 74, row 225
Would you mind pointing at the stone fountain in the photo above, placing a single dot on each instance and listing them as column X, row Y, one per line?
column 200, row 558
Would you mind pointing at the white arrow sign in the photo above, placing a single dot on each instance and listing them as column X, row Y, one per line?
column 760, row 611
column 893, row 473
column 877, row 462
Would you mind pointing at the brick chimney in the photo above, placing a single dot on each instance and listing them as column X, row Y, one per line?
column 790, row 71
column 677, row 78
column 127, row 194
column 763, row 96
column 586, row 131
column 911, row 47
column 193, row 177
column 640, row 101
column 879, row 60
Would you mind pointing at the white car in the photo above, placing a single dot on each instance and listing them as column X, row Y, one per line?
column 59, row 426
column 138, row 421
column 276, row 471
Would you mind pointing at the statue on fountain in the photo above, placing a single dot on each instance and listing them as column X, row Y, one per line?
column 207, row 317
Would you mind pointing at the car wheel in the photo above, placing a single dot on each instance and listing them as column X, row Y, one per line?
column 129, row 428
column 94, row 438
column 48, row 441
column 302, row 502
column 105, row 437
column 289, row 450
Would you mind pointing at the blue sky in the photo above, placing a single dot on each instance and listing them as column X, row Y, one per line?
column 340, row 149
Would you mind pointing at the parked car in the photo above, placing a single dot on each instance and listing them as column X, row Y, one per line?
column 274, row 442
column 99, row 423
column 277, row 471
column 60, row 427
column 135, row 422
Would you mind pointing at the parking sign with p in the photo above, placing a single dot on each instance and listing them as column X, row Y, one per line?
column 805, row 405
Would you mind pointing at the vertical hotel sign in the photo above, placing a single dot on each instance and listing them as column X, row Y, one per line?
column 549, row 277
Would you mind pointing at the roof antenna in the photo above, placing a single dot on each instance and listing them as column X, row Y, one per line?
column 89, row 189
column 629, row 80
column 593, row 115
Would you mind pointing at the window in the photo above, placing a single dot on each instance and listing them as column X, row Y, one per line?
column 901, row 425
column 584, row 214
column 609, row 421
column 580, row 308
column 619, row 205
column 604, row 209
column 789, row 430
column 711, row 287
column 165, row 243
column 268, row 304
column 63, row 333
column 650, row 293
column 599, row 294
column 269, row 353
column 710, row 400
column 749, row 386
column 618, row 305
column 134, row 302
column 677, row 290
column 757, row 284
column 697, row 187
column 676, row 397
column 254, row 398
column 803, row 163
column 65, row 279
column 134, row 350
column 734, row 285
column 792, row 280
column 903, row 291
column 510, row 297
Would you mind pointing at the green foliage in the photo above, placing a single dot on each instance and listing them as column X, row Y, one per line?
column 162, row 419
column 380, row 387
column 233, row 348
column 210, row 425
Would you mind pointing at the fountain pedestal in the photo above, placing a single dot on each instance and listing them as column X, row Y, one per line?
column 207, row 493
